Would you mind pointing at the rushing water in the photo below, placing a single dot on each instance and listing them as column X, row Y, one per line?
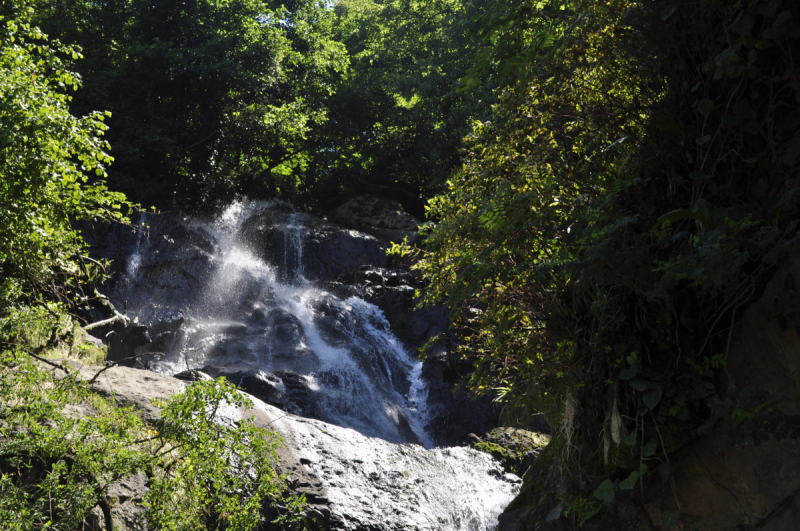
column 214, row 301
column 253, row 315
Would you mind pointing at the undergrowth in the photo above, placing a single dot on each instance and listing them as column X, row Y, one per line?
column 62, row 447
column 634, row 193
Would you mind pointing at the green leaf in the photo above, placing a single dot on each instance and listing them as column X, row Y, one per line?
column 605, row 491
column 641, row 385
column 630, row 482
column 629, row 372
column 678, row 215
column 630, row 439
column 705, row 106
column 649, row 449
column 652, row 397
column 782, row 18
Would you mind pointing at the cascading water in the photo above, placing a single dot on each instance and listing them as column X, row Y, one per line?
column 219, row 299
column 252, row 316
column 135, row 259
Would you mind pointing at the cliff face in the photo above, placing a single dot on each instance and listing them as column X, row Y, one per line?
column 750, row 488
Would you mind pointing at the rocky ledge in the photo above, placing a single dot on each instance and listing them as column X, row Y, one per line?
column 351, row 482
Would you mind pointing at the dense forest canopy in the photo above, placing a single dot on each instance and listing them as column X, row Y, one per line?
column 305, row 101
column 611, row 183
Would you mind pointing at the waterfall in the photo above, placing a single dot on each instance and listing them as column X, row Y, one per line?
column 293, row 251
column 249, row 295
column 135, row 259
column 250, row 316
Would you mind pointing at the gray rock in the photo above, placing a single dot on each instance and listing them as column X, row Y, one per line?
column 383, row 218
column 351, row 482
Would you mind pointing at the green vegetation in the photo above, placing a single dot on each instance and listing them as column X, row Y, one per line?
column 610, row 185
column 52, row 167
column 62, row 447
column 396, row 118
column 510, row 446
column 208, row 98
column 631, row 196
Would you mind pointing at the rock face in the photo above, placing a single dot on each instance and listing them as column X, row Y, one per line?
column 302, row 245
column 741, row 488
column 383, row 218
column 306, row 314
column 752, row 487
column 351, row 482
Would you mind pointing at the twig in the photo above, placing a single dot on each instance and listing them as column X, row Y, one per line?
column 31, row 354
column 110, row 366
column 103, row 322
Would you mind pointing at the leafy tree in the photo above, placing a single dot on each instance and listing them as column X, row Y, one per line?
column 55, row 467
column 631, row 196
column 208, row 98
column 52, row 168
column 396, row 119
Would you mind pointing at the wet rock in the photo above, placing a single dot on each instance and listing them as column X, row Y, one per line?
column 302, row 245
column 454, row 413
column 165, row 269
column 123, row 340
column 252, row 291
column 352, row 482
column 393, row 291
column 286, row 390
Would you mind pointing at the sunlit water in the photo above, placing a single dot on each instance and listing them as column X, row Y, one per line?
column 362, row 375
column 267, row 317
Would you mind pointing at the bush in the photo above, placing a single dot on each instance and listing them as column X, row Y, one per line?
column 56, row 465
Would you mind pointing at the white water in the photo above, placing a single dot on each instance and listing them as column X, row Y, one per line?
column 361, row 374
column 135, row 259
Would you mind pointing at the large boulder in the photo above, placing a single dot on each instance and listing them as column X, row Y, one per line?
column 383, row 218
column 351, row 482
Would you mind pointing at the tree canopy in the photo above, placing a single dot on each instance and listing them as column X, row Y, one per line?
column 631, row 196
column 208, row 98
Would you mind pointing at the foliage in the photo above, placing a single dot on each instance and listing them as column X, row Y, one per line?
column 396, row 119
column 52, row 168
column 632, row 195
column 209, row 98
column 62, row 446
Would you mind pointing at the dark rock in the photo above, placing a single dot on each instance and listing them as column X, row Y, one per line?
column 123, row 340
column 383, row 218
column 300, row 244
column 393, row 291
column 454, row 413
